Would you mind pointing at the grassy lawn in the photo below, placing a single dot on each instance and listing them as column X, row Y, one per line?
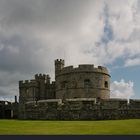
column 20, row 127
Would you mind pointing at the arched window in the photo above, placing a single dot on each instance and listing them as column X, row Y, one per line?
column 106, row 84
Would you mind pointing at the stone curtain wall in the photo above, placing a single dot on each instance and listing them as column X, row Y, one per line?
column 82, row 109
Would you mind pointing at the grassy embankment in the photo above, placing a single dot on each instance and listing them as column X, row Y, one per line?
column 108, row 127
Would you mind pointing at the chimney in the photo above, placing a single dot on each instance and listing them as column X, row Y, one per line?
column 15, row 99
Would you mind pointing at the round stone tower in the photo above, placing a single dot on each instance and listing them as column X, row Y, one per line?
column 85, row 81
column 59, row 65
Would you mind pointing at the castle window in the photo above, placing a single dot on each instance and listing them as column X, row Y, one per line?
column 64, row 84
column 106, row 84
column 27, row 91
column 87, row 83
column 75, row 97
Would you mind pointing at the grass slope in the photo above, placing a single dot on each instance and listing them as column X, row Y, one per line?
column 110, row 127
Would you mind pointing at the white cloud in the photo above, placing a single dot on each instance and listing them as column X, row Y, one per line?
column 124, row 50
column 33, row 33
column 122, row 89
column 132, row 62
column 121, row 18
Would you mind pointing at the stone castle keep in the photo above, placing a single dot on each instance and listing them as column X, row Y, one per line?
column 81, row 93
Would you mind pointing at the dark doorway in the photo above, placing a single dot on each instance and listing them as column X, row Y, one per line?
column 7, row 114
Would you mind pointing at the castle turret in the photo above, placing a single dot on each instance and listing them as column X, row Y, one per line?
column 85, row 81
column 15, row 99
column 41, row 79
column 28, row 91
column 59, row 65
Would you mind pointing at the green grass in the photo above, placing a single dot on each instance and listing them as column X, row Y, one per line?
column 109, row 127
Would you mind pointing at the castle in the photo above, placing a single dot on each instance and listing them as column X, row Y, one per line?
column 81, row 93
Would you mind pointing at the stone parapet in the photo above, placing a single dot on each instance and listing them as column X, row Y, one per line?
column 83, row 68
column 134, row 103
column 80, row 109
column 28, row 83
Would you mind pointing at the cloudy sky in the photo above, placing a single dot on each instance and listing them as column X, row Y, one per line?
column 102, row 32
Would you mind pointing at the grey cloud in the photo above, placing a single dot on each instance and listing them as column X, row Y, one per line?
column 15, row 55
column 51, row 14
column 23, row 24
column 35, row 32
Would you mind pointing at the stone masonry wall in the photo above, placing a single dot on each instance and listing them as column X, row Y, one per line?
column 82, row 109
column 85, row 81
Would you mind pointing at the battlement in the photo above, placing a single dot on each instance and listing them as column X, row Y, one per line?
column 68, row 69
column 59, row 60
column 40, row 76
column 113, row 103
column 134, row 100
column 59, row 65
column 28, row 83
column 134, row 103
column 34, row 82
column 103, row 69
column 84, row 68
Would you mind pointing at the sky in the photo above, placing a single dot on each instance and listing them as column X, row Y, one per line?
column 33, row 33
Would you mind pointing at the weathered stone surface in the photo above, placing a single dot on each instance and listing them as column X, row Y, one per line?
column 85, row 81
column 77, row 109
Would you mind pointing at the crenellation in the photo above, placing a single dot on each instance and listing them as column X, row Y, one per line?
column 113, row 103
column 40, row 76
column 134, row 103
column 59, row 65
column 33, row 83
column 24, row 84
column 86, row 67
column 28, row 83
column 20, row 84
column 59, row 60
column 82, row 68
column 100, row 67
column 67, row 69
column 103, row 69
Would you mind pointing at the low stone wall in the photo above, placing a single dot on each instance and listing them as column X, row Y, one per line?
column 82, row 109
